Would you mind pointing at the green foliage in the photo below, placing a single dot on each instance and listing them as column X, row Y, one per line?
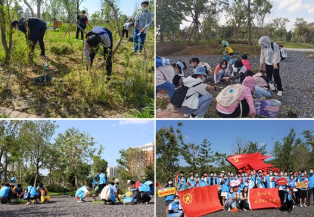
column 58, row 189
column 205, row 155
column 99, row 164
column 288, row 36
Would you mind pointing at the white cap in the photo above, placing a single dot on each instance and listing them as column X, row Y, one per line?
column 128, row 181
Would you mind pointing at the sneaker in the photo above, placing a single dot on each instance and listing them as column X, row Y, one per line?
column 244, row 209
column 229, row 209
column 134, row 51
column 300, row 204
column 272, row 86
column 279, row 93
column 76, row 39
column 187, row 115
column 28, row 203
column 304, row 205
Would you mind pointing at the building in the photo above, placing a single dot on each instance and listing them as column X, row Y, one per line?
column 112, row 172
column 143, row 159
column 149, row 148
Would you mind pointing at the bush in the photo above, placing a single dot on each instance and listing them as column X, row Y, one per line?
column 61, row 49
column 168, row 48
column 57, row 188
column 312, row 42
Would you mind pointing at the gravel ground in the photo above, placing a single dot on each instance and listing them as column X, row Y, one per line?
column 67, row 206
column 297, row 80
column 297, row 211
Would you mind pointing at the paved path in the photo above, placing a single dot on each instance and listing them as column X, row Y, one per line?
column 16, row 114
column 300, row 49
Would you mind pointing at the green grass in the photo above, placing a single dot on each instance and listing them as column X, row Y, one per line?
column 61, row 193
column 295, row 45
column 75, row 91
column 19, row 201
column 4, row 116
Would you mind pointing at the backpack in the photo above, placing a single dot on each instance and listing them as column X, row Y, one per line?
column 180, row 95
column 266, row 79
column 230, row 95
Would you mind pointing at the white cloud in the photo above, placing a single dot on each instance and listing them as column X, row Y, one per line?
column 125, row 122
column 295, row 5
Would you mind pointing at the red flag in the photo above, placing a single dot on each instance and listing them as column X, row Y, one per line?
column 281, row 181
column 200, row 201
column 260, row 198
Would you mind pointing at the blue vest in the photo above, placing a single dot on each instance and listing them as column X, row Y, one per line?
column 291, row 183
column 310, row 177
column 192, row 183
column 260, row 182
column 288, row 197
column 102, row 178
column 225, row 187
column 202, row 183
column 112, row 197
column 4, row 192
column 32, row 191
column 173, row 207
column 181, row 186
column 18, row 189
column 269, row 183
column 80, row 193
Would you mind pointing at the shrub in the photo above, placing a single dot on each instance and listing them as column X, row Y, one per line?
column 61, row 49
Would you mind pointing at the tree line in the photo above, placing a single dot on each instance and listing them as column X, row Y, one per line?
column 292, row 152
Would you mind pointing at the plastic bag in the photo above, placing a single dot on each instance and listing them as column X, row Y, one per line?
column 267, row 108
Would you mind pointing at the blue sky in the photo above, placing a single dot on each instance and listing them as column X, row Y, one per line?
column 290, row 9
column 114, row 135
column 222, row 133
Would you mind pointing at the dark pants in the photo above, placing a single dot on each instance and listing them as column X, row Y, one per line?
column 40, row 39
column 310, row 194
column 282, row 195
column 78, row 30
column 271, row 72
column 107, row 57
column 287, row 206
column 126, row 32
column 33, row 198
column 237, row 111
column 101, row 186
column 244, row 204
column 4, row 199
column 142, row 197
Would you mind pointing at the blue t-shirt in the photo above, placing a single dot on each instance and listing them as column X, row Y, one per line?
column 81, row 192
column 102, row 178
column 4, row 191
column 32, row 191
column 310, row 177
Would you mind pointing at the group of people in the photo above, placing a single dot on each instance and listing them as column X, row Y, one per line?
column 35, row 29
column 110, row 192
column 11, row 191
column 236, row 196
column 236, row 100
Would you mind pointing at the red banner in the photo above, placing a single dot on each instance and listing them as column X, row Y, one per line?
column 200, row 201
column 260, row 198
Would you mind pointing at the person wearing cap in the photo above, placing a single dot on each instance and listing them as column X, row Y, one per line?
column 195, row 106
column 34, row 30
column 238, row 71
column 224, row 43
column 143, row 20
column 178, row 68
column 126, row 28
column 244, row 96
column 221, row 71
column 82, row 22
column 103, row 37
column 270, row 56
column 245, row 62
column 283, row 52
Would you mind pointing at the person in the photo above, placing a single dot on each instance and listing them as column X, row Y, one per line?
column 238, row 71
column 302, row 191
column 102, row 180
column 231, row 200
column 228, row 108
column 107, row 194
column 224, row 43
column 143, row 20
column 202, row 182
column 126, row 28
column 128, row 198
column 288, row 202
column 96, row 184
column 42, row 190
column 270, row 180
column 311, row 186
column 169, row 198
column 178, row 73
column 270, row 56
column 228, row 50
column 224, row 189
column 12, row 180
column 145, row 192
column 195, row 62
column 103, row 37
column 181, row 184
column 82, row 22
column 212, row 180
column 192, row 183
column 283, row 52
column 194, row 105
column 262, row 89
column 174, row 208
column 281, row 187
column 244, row 196
column 221, row 71
column 250, row 183
column 4, row 193
column 260, row 180
column 18, row 191
column 245, row 62
column 32, row 194
column 164, row 79
column 82, row 193
column 116, row 191
column 34, row 30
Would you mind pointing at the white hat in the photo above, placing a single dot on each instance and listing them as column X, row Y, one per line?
column 128, row 181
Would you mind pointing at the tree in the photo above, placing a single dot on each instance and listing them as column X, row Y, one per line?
column 235, row 16
column 74, row 148
column 240, row 146
column 35, row 138
column 301, row 29
column 99, row 164
column 205, row 155
column 288, row 36
column 280, row 25
column 168, row 150
column 190, row 153
column 254, row 147
column 284, row 152
column 261, row 9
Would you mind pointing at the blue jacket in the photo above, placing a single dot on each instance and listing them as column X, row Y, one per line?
column 311, row 180
column 4, row 192
column 102, row 178
column 169, row 197
column 214, row 182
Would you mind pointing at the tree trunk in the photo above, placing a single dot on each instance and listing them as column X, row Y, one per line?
column 30, row 8
column 197, row 35
column 161, row 36
column 5, row 44
column 249, row 24
column 38, row 8
column 50, row 177
column 35, row 179
column 76, row 179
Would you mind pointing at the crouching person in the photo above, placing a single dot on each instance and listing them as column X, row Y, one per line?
column 18, row 191
column 107, row 194
column 174, row 208
column 4, row 194
column 128, row 198
column 197, row 100
column 288, row 202
column 42, row 190
column 82, row 193
column 231, row 200
column 32, row 195
column 145, row 192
